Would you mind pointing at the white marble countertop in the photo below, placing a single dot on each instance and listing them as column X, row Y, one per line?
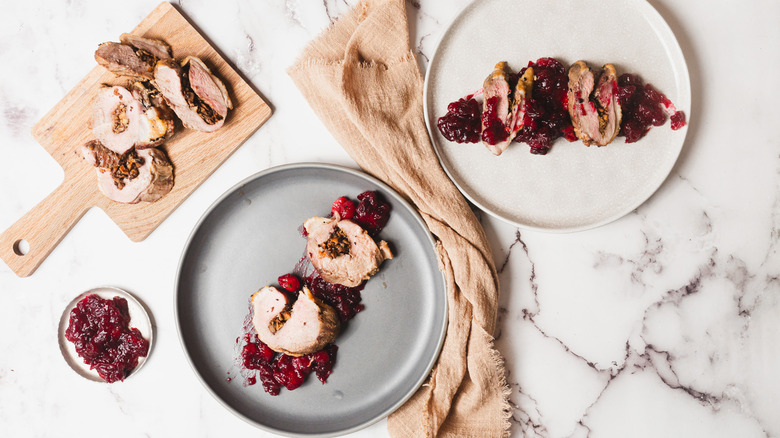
column 665, row 323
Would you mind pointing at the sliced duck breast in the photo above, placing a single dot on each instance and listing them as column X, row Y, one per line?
column 123, row 60
column 495, row 110
column 157, row 48
column 138, row 175
column 520, row 96
column 303, row 327
column 596, row 119
column 191, row 91
column 157, row 122
column 207, row 87
column 342, row 252
column 120, row 121
column 134, row 57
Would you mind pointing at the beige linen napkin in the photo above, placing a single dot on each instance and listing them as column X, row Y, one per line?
column 362, row 80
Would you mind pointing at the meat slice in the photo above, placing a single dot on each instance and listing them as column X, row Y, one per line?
column 520, row 96
column 120, row 121
column 139, row 175
column 124, row 60
column 207, row 87
column 157, row 122
column 303, row 327
column 495, row 110
column 342, row 252
column 595, row 119
column 157, row 48
column 134, row 57
column 199, row 99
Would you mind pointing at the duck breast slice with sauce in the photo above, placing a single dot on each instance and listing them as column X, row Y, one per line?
column 120, row 121
column 303, row 327
column 520, row 96
column 596, row 119
column 342, row 252
column 197, row 97
column 139, row 175
column 495, row 110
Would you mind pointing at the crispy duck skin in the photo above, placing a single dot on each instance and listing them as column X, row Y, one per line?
column 596, row 119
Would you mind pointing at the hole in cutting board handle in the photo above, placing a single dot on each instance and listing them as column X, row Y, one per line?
column 21, row 247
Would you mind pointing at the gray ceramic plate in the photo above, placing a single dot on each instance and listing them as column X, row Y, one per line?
column 573, row 187
column 247, row 239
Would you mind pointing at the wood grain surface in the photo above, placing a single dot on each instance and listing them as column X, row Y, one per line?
column 195, row 155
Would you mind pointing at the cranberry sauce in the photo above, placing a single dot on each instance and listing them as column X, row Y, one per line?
column 100, row 330
column 495, row 131
column 643, row 106
column 461, row 124
column 372, row 212
column 546, row 116
column 276, row 369
column 346, row 300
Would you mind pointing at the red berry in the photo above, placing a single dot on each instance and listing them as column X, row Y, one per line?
column 343, row 207
column 289, row 282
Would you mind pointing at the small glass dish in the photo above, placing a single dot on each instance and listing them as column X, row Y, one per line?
column 139, row 318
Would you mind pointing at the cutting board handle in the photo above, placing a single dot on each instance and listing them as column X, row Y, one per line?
column 45, row 225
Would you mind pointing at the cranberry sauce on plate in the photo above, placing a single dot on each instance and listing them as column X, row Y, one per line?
column 546, row 117
column 100, row 331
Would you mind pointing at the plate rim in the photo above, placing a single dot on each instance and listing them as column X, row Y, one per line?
column 568, row 229
column 311, row 165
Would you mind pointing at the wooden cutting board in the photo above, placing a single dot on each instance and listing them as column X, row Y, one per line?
column 195, row 155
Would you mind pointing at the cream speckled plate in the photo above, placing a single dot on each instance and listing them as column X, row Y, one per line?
column 573, row 187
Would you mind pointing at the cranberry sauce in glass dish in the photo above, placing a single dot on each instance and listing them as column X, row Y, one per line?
column 105, row 334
